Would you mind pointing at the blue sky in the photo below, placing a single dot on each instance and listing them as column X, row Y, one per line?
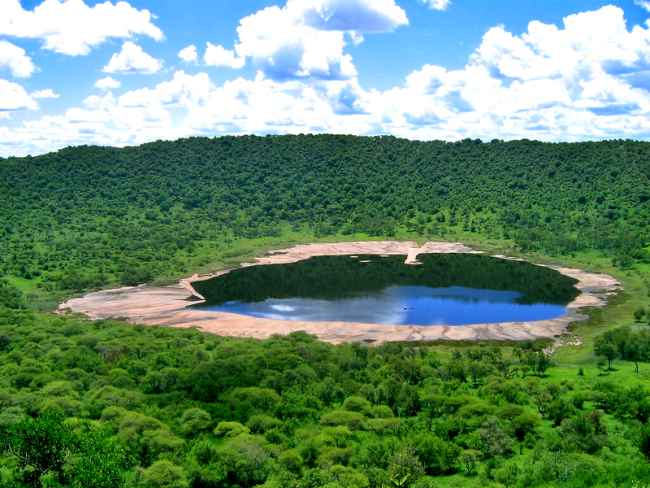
column 86, row 72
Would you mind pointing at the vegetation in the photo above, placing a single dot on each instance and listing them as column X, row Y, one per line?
column 625, row 343
column 106, row 405
column 90, row 216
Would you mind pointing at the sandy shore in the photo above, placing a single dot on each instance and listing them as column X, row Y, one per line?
column 169, row 306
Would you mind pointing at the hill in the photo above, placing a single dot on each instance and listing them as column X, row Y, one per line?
column 90, row 216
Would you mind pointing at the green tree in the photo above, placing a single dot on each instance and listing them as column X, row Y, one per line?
column 195, row 420
column 164, row 474
column 605, row 346
column 405, row 468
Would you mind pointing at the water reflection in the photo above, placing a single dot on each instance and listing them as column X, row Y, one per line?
column 445, row 289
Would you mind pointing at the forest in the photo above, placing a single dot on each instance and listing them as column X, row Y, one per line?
column 104, row 404
column 85, row 217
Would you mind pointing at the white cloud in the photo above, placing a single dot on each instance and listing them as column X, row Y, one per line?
column 193, row 105
column 14, row 97
column 71, row 27
column 307, row 38
column 107, row 83
column 219, row 56
column 349, row 15
column 132, row 59
column 47, row 93
column 16, row 59
column 189, row 54
column 582, row 80
column 437, row 4
column 643, row 4
column 588, row 78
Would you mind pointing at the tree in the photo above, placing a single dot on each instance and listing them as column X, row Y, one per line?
column 41, row 446
column 639, row 313
column 164, row 474
column 585, row 431
column 10, row 296
column 195, row 420
column 405, row 468
column 644, row 444
column 469, row 459
column 605, row 346
column 99, row 462
column 437, row 456
column 230, row 429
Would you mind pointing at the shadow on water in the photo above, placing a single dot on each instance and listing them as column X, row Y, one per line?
column 450, row 289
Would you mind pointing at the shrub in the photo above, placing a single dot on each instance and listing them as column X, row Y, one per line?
column 195, row 420
column 230, row 429
column 259, row 424
column 381, row 412
column 353, row 420
column 437, row 456
column 164, row 474
column 357, row 404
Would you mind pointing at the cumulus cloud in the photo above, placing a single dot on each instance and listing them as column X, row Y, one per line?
column 217, row 55
column 645, row 4
column 16, row 60
column 349, row 15
column 132, row 59
column 107, row 83
column 14, row 97
column 47, row 93
column 307, row 38
column 189, row 54
column 72, row 27
column 191, row 104
column 437, row 4
column 572, row 82
column 281, row 45
column 587, row 78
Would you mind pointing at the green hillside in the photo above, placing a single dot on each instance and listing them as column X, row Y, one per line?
column 89, row 216
column 108, row 405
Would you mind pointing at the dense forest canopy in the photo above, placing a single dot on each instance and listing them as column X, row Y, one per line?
column 88, row 216
column 112, row 406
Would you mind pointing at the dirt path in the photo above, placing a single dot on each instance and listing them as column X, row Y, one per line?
column 169, row 306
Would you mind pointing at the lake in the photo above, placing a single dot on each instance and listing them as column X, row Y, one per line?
column 445, row 289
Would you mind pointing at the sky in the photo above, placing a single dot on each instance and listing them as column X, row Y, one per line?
column 120, row 73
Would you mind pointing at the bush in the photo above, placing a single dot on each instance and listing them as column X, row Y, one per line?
column 437, row 456
column 291, row 460
column 353, row 420
column 164, row 474
column 357, row 404
column 10, row 296
column 389, row 425
column 195, row 420
column 259, row 424
column 639, row 313
column 230, row 429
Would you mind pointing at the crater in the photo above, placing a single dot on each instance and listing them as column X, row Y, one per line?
column 443, row 289
column 367, row 292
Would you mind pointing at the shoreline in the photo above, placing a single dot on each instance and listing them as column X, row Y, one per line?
column 169, row 305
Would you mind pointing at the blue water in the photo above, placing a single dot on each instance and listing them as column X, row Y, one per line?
column 402, row 305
